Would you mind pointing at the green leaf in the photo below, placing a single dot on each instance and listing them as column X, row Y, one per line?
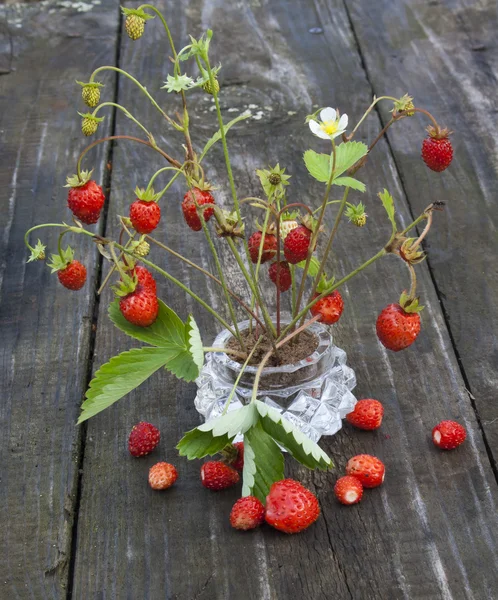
column 313, row 268
column 167, row 330
column 194, row 342
column 263, row 463
column 234, row 422
column 350, row 182
column 318, row 165
column 217, row 136
column 348, row 154
column 121, row 375
column 296, row 443
column 388, row 203
column 197, row 444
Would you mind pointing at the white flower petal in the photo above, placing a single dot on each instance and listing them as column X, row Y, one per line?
column 334, row 135
column 315, row 127
column 343, row 122
column 328, row 114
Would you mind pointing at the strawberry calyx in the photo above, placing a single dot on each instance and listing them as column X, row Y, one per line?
column 309, row 222
column 137, row 12
column 356, row 214
column 91, row 117
column 90, row 84
column 58, row 262
column 227, row 223
column 409, row 304
column 127, row 284
column 411, row 254
column 147, row 195
column 404, row 104
column 80, row 180
column 324, row 283
column 438, row 133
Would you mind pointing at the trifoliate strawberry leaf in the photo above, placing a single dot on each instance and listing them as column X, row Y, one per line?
column 194, row 341
column 234, row 422
column 318, row 165
column 348, row 154
column 187, row 364
column 217, row 136
column 350, row 182
column 198, row 444
column 121, row 375
column 263, row 463
column 388, row 203
column 294, row 441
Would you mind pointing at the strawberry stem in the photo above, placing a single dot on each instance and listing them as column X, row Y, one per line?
column 126, row 112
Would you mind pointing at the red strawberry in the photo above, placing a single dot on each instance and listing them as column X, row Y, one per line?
column 73, row 276
column 247, row 513
column 296, row 244
column 145, row 215
column 396, row 328
column 284, row 276
column 238, row 463
column 216, row 475
column 290, row 507
column 140, row 307
column 189, row 208
column 437, row 151
column 269, row 247
column 144, row 437
column 367, row 414
column 348, row 490
column 145, row 278
column 329, row 308
column 368, row 469
column 448, row 435
column 162, row 476
column 86, row 201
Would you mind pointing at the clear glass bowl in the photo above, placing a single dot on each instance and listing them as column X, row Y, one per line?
column 314, row 393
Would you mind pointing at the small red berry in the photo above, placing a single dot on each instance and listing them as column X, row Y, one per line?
column 396, row 328
column 284, row 276
column 348, row 490
column 162, row 476
column 216, row 475
column 329, row 308
column 144, row 437
column 437, row 151
column 86, row 201
column 73, row 277
column 448, row 435
column 290, row 507
column 247, row 513
column 145, row 278
column 189, row 208
column 145, row 215
column 238, row 463
column 140, row 307
column 367, row 414
column 368, row 469
column 296, row 244
column 269, row 247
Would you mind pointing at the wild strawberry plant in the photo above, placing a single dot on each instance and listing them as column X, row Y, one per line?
column 290, row 237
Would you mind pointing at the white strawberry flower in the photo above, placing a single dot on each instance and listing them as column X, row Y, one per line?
column 331, row 124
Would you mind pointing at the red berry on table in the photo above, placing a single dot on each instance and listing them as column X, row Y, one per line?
column 144, row 437
column 140, row 307
column 247, row 513
column 348, row 490
column 189, row 208
column 238, row 463
column 367, row 414
column 368, row 469
column 73, row 276
column 290, row 507
column 396, row 328
column 269, row 247
column 85, row 198
column 145, row 215
column 448, row 435
column 162, row 476
column 329, row 308
column 284, row 281
column 216, row 475
column 296, row 244
column 437, row 151
column 145, row 278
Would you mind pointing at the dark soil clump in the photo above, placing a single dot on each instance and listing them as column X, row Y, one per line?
column 292, row 352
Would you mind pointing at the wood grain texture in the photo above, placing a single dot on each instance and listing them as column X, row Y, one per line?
column 430, row 531
column 426, row 48
column 45, row 328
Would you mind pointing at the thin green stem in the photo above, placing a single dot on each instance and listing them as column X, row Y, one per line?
column 126, row 112
column 239, row 376
column 368, row 111
column 26, row 235
column 242, row 355
column 153, row 178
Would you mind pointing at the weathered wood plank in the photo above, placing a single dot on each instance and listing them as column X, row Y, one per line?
column 444, row 53
column 430, row 531
column 45, row 329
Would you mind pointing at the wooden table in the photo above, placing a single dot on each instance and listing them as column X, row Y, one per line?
column 77, row 517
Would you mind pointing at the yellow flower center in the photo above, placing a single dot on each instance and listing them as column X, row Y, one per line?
column 330, row 127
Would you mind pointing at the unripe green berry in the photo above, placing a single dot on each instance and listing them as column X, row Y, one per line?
column 274, row 178
column 89, row 126
column 208, row 88
column 135, row 26
column 359, row 220
column 90, row 95
column 142, row 249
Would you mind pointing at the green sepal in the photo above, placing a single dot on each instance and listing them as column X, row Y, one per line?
column 138, row 12
column 91, row 117
column 126, row 285
column 75, row 181
column 409, row 305
column 58, row 262
column 146, row 195
column 178, row 83
column 324, row 283
column 38, row 252
column 92, row 84
column 270, row 188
